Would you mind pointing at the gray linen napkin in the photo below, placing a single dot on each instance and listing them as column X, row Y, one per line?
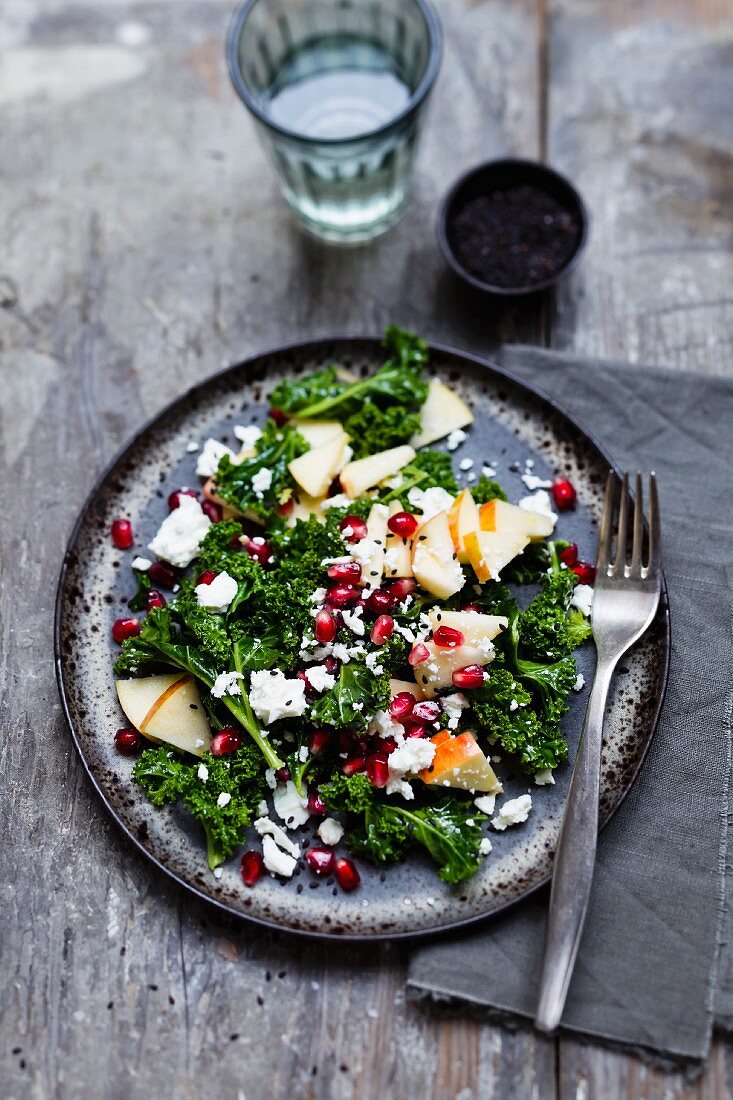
column 648, row 966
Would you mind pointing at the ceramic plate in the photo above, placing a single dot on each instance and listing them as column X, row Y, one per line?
column 513, row 423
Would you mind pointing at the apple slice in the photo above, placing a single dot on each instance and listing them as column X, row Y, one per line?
column 398, row 557
column 365, row 473
column 476, row 629
column 315, row 470
column 441, row 414
column 463, row 517
column 489, row 551
column 459, row 762
column 509, row 519
column 167, row 708
column 227, row 509
column 318, row 432
column 396, row 686
column 437, row 672
column 434, row 560
column 370, row 551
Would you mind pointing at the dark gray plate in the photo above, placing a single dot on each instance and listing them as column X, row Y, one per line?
column 512, row 424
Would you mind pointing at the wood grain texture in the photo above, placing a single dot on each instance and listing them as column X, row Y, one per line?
column 144, row 246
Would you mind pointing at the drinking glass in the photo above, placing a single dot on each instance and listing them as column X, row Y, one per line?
column 337, row 88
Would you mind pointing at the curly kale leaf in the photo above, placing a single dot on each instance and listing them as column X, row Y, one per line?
column 427, row 469
column 529, row 567
column 353, row 699
column 382, row 836
column 550, row 684
column 140, row 600
column 206, row 627
column 352, row 794
column 161, row 774
column 537, row 743
column 485, row 490
column 372, row 429
column 221, row 552
column 292, row 395
column 274, row 450
column 549, row 629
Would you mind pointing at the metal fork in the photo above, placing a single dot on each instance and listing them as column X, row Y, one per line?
column 625, row 601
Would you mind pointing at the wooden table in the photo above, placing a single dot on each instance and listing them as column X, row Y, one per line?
column 144, row 245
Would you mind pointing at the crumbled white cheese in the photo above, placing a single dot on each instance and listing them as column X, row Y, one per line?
column 533, row 482
column 141, row 564
column 513, row 812
column 272, row 696
column 392, row 559
column 266, row 827
column 582, row 598
column 224, row 799
column 373, row 664
column 218, row 595
column 208, row 461
column 290, row 807
column 353, row 621
column 579, row 682
column 488, row 471
column 319, row 678
column 330, row 831
column 227, row 683
column 453, row 705
column 262, row 809
column 247, row 435
column 202, row 772
column 514, row 705
column 430, row 501
column 199, row 742
column 270, row 778
column 341, row 500
column 455, row 439
column 383, row 725
column 411, row 756
column 539, row 502
column 545, row 778
column 261, row 482
column 181, row 533
column 485, row 803
column 277, row 862
column 485, row 846
column 318, row 596
column 192, row 447
column 465, row 463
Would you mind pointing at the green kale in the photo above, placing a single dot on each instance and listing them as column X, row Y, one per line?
column 549, row 629
column 372, row 429
column 485, row 490
column 427, row 469
column 537, row 743
column 274, row 450
column 529, row 567
column 550, row 684
column 493, row 598
column 221, row 553
column 161, row 774
column 353, row 699
column 352, row 794
column 140, row 600
column 310, row 541
column 207, row 627
column 397, row 382
column 382, row 836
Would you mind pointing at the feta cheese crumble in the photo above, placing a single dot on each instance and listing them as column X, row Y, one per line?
column 538, row 502
column 410, row 757
column 545, row 778
column 453, row 706
column 485, row 803
column 465, row 463
column 266, row 827
column 353, row 620
column 532, row 482
column 247, row 435
column 192, row 447
column 261, row 482
column 227, row 683
column 341, row 500
column 582, row 598
column 513, row 812
column 429, row 501
column 141, row 564
column 208, row 461
column 277, row 862
column 485, row 846
column 224, row 799
column 218, row 595
column 290, row 807
column 319, row 678
column 330, row 831
column 181, row 533
column 272, row 696
column 202, row 772
column 454, row 440
column 579, row 682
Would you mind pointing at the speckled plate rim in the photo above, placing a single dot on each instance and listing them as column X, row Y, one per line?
column 305, row 346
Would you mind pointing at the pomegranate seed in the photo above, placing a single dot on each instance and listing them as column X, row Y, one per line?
column 122, row 535
column 331, row 665
column 347, row 743
column 174, row 500
column 324, row 627
column 319, row 741
column 163, row 575
column 128, row 742
column 207, row 577
column 585, row 572
column 316, row 805
column 225, row 741
column 125, row 628
column 380, row 601
column 154, row 599
column 214, row 511
column 342, row 595
column 471, row 609
column 403, row 524
column 320, row 860
column 563, row 494
column 569, row 555
column 425, row 712
column 399, row 590
column 345, row 571
column 472, row 676
column 356, row 527
column 310, row 691
column 418, row 655
column 377, row 769
column 353, row 765
column 253, row 868
column 282, row 775
column 402, row 704
column 414, row 729
column 346, row 873
column 278, row 416
column 286, row 508
column 448, row 638
column 382, row 630
column 387, row 745
column 258, row 549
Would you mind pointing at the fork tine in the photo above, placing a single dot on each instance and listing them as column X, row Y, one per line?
column 655, row 542
column 606, row 531
column 638, row 527
column 623, row 527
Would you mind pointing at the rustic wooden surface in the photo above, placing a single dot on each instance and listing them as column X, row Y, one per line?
column 143, row 245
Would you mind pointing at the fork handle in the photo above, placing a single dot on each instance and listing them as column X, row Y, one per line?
column 574, row 860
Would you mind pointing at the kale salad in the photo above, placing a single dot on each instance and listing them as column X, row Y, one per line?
column 332, row 630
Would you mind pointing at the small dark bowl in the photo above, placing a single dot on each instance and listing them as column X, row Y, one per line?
column 503, row 174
